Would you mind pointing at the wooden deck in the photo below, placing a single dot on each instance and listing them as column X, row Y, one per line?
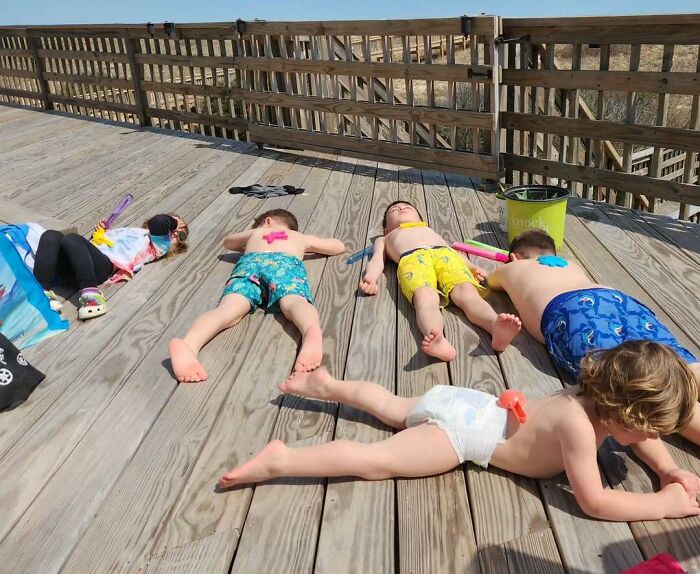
column 111, row 466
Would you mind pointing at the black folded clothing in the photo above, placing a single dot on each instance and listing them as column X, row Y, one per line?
column 264, row 191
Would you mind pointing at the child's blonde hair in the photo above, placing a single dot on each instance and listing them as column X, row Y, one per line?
column 640, row 385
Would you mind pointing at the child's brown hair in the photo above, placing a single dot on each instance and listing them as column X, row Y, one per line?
column 640, row 385
column 392, row 204
column 281, row 215
column 533, row 243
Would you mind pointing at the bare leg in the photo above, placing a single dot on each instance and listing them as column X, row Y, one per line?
column 502, row 326
column 426, row 302
column 305, row 318
column 183, row 352
column 363, row 395
column 423, row 450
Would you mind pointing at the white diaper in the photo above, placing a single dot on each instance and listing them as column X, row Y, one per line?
column 473, row 421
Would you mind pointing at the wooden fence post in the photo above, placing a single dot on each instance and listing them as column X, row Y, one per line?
column 136, row 77
column 39, row 68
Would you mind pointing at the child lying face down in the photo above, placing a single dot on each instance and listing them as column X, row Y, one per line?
column 572, row 315
column 269, row 274
column 431, row 274
column 450, row 425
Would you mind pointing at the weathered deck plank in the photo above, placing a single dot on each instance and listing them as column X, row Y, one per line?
column 434, row 520
column 357, row 533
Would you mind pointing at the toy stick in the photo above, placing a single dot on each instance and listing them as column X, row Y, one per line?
column 485, row 246
column 478, row 251
column 359, row 255
column 514, row 401
column 121, row 206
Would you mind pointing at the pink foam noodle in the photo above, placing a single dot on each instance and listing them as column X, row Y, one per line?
column 479, row 252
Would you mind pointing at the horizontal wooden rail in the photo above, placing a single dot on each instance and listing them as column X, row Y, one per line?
column 208, row 119
column 20, row 93
column 85, row 55
column 614, row 81
column 602, row 130
column 655, row 29
column 94, row 80
column 18, row 73
column 625, row 182
column 16, row 53
column 442, row 72
column 477, row 164
column 96, row 104
column 422, row 27
column 440, row 116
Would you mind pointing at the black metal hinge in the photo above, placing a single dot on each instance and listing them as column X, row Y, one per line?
column 466, row 25
column 502, row 40
column 487, row 74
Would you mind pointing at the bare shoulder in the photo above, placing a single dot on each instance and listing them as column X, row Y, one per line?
column 571, row 422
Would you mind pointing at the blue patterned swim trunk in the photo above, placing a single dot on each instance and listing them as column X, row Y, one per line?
column 265, row 277
column 577, row 322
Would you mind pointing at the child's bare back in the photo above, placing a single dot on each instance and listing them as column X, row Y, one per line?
column 531, row 286
column 275, row 239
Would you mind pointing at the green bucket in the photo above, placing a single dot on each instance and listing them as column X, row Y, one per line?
column 537, row 207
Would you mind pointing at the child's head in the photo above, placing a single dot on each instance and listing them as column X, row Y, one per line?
column 178, row 237
column 532, row 243
column 399, row 212
column 276, row 217
column 639, row 389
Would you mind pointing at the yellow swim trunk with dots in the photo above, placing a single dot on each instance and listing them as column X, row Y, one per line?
column 441, row 268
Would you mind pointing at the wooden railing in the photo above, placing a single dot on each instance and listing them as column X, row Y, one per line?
column 559, row 85
column 312, row 85
column 527, row 100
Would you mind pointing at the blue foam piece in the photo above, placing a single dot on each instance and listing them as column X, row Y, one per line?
column 359, row 255
column 552, row 261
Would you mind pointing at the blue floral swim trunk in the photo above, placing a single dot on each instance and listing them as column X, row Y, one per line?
column 265, row 277
column 577, row 322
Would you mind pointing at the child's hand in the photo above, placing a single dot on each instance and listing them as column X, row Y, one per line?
column 686, row 479
column 479, row 273
column 369, row 286
column 677, row 503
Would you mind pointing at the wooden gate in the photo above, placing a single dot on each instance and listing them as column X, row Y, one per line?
column 391, row 91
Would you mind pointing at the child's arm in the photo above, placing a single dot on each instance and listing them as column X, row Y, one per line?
column 369, row 283
column 324, row 246
column 579, row 453
column 495, row 279
column 655, row 455
column 237, row 241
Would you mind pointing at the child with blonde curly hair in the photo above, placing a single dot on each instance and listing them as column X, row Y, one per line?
column 635, row 393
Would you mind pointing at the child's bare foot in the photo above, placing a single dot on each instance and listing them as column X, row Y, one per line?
column 262, row 466
column 435, row 345
column 311, row 351
column 186, row 367
column 313, row 385
column 505, row 328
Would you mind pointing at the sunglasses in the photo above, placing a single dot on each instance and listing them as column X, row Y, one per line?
column 181, row 235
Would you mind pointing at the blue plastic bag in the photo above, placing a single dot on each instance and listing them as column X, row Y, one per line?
column 26, row 317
